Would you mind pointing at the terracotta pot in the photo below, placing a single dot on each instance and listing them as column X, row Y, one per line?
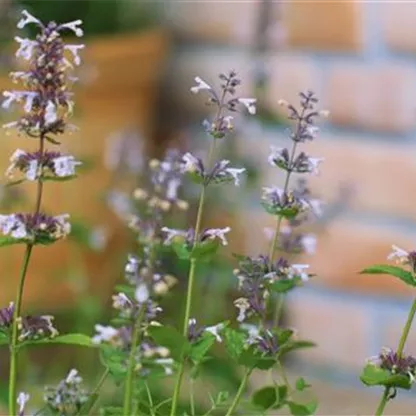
column 122, row 95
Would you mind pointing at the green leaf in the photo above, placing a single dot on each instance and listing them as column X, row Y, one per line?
column 58, row 178
column 234, row 343
column 111, row 411
column 200, row 349
column 4, row 339
column 251, row 358
column 182, row 250
column 375, row 376
column 114, row 359
column 284, row 335
column 265, row 398
column 301, row 384
column 297, row 409
column 70, row 339
column 283, row 286
column 206, row 250
column 8, row 241
column 171, row 338
column 13, row 183
column 295, row 345
column 395, row 271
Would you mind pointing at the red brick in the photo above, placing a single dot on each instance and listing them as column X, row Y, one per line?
column 214, row 21
column 382, row 175
column 340, row 329
column 378, row 98
column 345, row 247
column 290, row 74
column 397, row 25
column 324, row 25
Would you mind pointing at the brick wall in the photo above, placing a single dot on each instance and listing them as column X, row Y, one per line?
column 359, row 58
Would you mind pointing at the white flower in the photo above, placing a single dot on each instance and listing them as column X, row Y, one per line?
column 62, row 220
column 243, row 306
column 201, row 85
column 19, row 75
column 30, row 96
column 32, row 170
column 50, row 113
column 74, row 27
column 234, row 172
column 167, row 364
column 28, row 18
column 26, row 47
column 142, row 293
column 298, row 270
column 189, row 163
column 22, row 399
column 132, row 264
column 276, row 155
column 7, row 222
column 308, row 242
column 10, row 125
column 249, row 103
column 65, row 165
column 399, row 255
column 270, row 191
column 121, row 301
column 313, row 164
column 11, row 96
column 215, row 330
column 218, row 233
column 73, row 377
column 172, row 233
column 104, row 333
column 74, row 50
column 253, row 332
column 172, row 189
column 14, row 158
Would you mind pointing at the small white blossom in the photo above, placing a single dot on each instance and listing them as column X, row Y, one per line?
column 172, row 233
column 235, row 172
column 14, row 158
column 65, row 165
column 269, row 191
column 104, row 333
column 218, row 233
column 22, row 399
column 243, row 306
column 253, row 332
column 201, row 85
column 190, row 163
column 132, row 264
column 26, row 48
column 167, row 364
column 74, row 50
column 28, row 18
column 142, row 293
column 11, row 96
column 32, row 170
column 308, row 242
column 249, row 103
column 215, row 330
column 30, row 97
column 121, row 301
column 10, row 125
column 74, row 27
column 399, row 255
column 50, row 113
column 313, row 131
column 64, row 223
column 276, row 155
column 298, row 270
column 313, row 164
column 10, row 224
column 73, row 377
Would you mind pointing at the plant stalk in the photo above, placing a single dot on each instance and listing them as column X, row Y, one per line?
column 128, row 392
column 240, row 392
column 19, row 297
column 400, row 348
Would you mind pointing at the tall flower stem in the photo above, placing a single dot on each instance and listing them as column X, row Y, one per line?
column 400, row 348
column 273, row 246
column 95, row 393
column 191, row 279
column 19, row 296
column 240, row 392
column 128, row 392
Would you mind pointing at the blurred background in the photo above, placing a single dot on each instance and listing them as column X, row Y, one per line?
column 133, row 102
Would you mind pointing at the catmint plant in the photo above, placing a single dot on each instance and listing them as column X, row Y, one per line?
column 47, row 102
column 393, row 369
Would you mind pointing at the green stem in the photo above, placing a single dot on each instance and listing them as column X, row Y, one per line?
column 97, row 388
column 400, row 348
column 128, row 393
column 191, row 278
column 406, row 329
column 15, row 331
column 192, row 398
column 240, row 392
column 383, row 402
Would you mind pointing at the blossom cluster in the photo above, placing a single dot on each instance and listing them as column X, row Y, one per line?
column 35, row 165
